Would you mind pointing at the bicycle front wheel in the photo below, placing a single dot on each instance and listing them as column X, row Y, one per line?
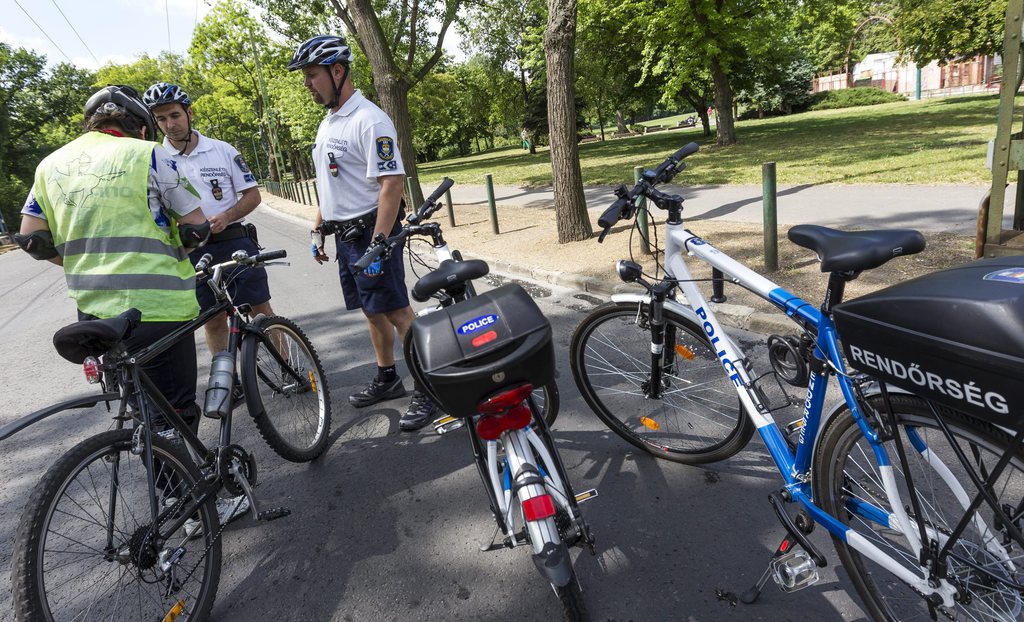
column 697, row 418
column 983, row 565
column 87, row 547
column 285, row 389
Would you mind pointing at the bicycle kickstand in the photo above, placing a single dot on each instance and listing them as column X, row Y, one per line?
column 750, row 596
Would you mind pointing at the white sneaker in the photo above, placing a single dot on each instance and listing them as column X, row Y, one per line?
column 193, row 529
column 232, row 509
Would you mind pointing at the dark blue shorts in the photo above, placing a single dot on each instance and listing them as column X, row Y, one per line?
column 246, row 285
column 373, row 291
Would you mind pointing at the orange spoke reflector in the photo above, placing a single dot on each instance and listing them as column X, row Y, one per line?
column 312, row 381
column 176, row 610
column 650, row 423
column 684, row 352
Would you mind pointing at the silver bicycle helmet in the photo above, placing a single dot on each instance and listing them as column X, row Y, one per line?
column 321, row 50
column 165, row 93
column 118, row 99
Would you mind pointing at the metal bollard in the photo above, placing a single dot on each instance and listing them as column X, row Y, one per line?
column 771, row 220
column 641, row 215
column 489, row 183
column 451, row 211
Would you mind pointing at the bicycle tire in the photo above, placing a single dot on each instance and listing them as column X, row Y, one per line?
column 62, row 501
column 844, row 471
column 294, row 419
column 571, row 598
column 609, row 355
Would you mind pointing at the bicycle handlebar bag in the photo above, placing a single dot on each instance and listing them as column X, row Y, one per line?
column 955, row 337
column 466, row 352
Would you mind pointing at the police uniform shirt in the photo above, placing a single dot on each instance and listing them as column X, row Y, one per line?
column 354, row 146
column 169, row 192
column 217, row 170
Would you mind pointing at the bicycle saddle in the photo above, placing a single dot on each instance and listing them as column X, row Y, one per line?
column 76, row 341
column 447, row 274
column 856, row 250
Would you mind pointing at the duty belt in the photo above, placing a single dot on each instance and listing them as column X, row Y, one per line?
column 341, row 226
column 231, row 232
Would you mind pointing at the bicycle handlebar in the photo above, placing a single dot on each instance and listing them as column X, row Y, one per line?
column 625, row 206
column 203, row 262
column 382, row 245
column 429, row 205
column 203, row 265
column 379, row 246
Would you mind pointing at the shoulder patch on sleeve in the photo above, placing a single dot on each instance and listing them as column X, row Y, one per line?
column 240, row 162
column 386, row 148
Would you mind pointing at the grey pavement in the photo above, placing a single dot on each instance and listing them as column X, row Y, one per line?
column 952, row 208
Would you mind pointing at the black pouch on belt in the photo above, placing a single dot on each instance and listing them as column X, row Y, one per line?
column 250, row 230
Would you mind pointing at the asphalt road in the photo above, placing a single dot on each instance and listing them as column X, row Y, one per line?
column 387, row 525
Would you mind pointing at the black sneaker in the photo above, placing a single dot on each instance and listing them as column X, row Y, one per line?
column 377, row 391
column 422, row 410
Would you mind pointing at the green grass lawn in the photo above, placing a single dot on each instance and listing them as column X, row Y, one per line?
column 938, row 141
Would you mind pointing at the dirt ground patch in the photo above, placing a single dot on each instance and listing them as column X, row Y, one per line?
column 529, row 238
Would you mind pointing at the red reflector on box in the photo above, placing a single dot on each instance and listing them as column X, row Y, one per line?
column 487, row 337
column 538, row 507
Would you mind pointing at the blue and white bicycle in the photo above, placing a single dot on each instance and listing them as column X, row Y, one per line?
column 917, row 472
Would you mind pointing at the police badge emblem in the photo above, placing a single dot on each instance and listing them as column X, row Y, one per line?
column 385, row 148
column 217, row 192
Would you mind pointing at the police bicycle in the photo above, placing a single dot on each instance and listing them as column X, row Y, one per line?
column 481, row 358
column 917, row 473
column 124, row 525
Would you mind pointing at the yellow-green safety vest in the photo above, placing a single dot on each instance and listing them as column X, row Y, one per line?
column 93, row 192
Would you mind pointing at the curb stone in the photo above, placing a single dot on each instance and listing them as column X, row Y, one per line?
column 736, row 316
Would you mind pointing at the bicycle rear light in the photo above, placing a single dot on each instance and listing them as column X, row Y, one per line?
column 93, row 370
column 490, row 426
column 538, row 508
column 499, row 403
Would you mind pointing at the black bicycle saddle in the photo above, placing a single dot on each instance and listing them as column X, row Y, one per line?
column 77, row 341
column 856, row 250
column 447, row 274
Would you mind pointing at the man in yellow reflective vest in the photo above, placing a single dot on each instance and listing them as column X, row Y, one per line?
column 112, row 209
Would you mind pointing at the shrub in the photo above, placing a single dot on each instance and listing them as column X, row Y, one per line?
column 848, row 98
column 636, row 128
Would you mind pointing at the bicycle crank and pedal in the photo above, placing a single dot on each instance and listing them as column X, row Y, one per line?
column 240, row 466
column 795, row 562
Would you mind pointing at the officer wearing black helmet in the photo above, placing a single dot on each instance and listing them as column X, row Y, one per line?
column 360, row 179
column 111, row 208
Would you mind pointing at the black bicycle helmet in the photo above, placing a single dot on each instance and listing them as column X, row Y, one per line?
column 321, row 50
column 165, row 93
column 118, row 99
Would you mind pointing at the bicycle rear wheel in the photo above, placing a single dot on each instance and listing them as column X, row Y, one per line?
column 698, row 417
column 86, row 548
column 286, row 394
column 983, row 565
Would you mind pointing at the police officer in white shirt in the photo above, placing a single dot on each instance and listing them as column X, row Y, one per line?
column 228, row 192
column 360, row 179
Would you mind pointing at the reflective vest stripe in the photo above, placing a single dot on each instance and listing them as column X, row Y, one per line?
column 85, row 282
column 120, row 245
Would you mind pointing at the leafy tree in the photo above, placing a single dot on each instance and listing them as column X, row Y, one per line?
column 943, row 30
column 40, row 110
column 567, row 179
column 147, row 70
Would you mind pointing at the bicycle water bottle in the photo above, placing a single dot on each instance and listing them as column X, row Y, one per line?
column 222, row 381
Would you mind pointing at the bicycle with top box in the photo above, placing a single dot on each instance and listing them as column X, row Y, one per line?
column 917, row 473
column 481, row 360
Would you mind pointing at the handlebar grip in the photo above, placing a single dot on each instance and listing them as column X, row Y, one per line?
column 372, row 253
column 686, row 150
column 612, row 214
column 204, row 262
column 436, row 194
column 271, row 255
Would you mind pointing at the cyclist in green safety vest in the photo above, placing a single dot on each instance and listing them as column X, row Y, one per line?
column 112, row 209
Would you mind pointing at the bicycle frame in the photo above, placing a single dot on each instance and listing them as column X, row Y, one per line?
column 794, row 466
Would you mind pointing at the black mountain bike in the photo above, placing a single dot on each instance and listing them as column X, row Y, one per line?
column 124, row 525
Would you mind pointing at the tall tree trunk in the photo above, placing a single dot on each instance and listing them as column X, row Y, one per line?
column 600, row 121
column 559, row 45
column 723, row 104
column 620, row 122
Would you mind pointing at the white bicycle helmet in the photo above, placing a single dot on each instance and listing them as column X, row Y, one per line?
column 165, row 93
column 321, row 50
